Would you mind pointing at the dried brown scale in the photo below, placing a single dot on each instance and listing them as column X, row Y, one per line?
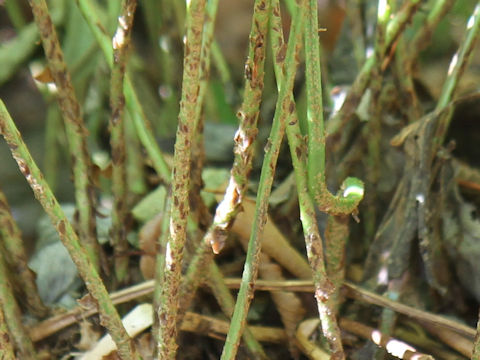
column 248, row 72
column 338, row 355
column 26, row 170
column 61, row 228
column 281, row 54
column 117, row 157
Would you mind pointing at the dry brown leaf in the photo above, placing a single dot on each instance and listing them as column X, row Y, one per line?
column 136, row 321
column 274, row 244
column 45, row 76
column 145, row 345
column 216, row 328
column 393, row 346
column 288, row 304
column 148, row 240
column 456, row 341
column 88, row 336
column 309, row 348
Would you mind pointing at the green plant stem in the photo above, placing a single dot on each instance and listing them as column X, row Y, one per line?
column 393, row 30
column 75, row 129
column 203, row 267
column 109, row 316
column 424, row 35
column 247, row 131
column 383, row 14
column 284, row 108
column 388, row 317
column 160, row 265
column 246, row 135
column 13, row 315
column 221, row 64
column 444, row 108
column 221, row 292
column 324, row 289
column 14, row 53
column 405, row 58
column 336, row 236
column 167, row 35
column 15, row 14
column 373, row 156
column 208, row 29
column 121, row 42
column 178, row 8
column 112, row 8
column 354, row 16
column 5, row 337
column 200, row 213
column 91, row 13
column 227, row 304
column 16, row 259
column 167, row 312
column 50, row 159
column 135, row 160
column 404, row 77
column 316, row 133
column 374, row 125
column 460, row 60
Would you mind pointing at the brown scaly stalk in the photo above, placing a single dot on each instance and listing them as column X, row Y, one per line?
column 247, row 131
column 16, row 258
column 108, row 314
column 324, row 289
column 5, row 340
column 284, row 108
column 121, row 42
column 180, row 208
column 76, row 131
column 243, row 150
column 201, row 216
column 13, row 315
column 200, row 213
column 221, row 292
column 336, row 236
